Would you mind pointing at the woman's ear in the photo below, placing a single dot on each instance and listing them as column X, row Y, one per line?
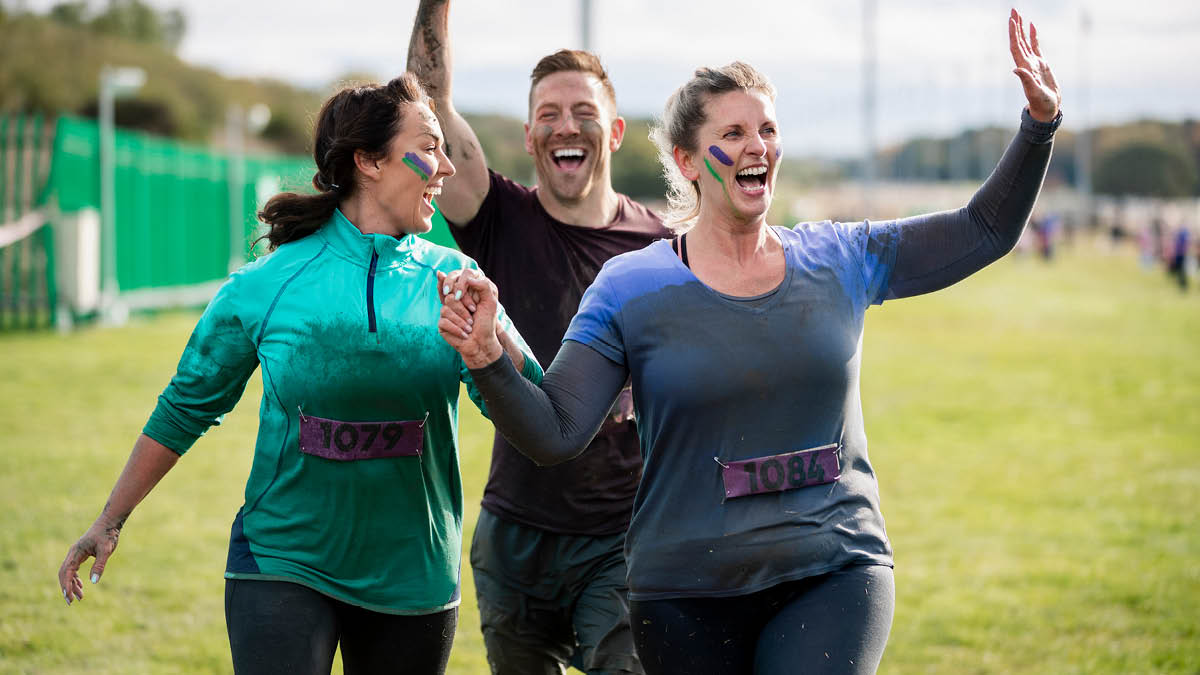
column 687, row 166
column 366, row 165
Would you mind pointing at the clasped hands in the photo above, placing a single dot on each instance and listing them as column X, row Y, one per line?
column 468, row 322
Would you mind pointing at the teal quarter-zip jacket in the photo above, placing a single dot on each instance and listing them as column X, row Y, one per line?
column 344, row 327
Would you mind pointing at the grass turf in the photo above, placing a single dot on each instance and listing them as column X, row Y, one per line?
column 1034, row 430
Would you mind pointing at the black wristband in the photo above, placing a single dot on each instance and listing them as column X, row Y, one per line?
column 1039, row 132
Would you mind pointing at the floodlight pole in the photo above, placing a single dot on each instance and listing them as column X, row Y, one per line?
column 1083, row 141
column 235, row 140
column 239, row 123
column 869, row 73
column 113, row 82
column 585, row 24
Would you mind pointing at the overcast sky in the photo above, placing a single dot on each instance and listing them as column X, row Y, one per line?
column 943, row 64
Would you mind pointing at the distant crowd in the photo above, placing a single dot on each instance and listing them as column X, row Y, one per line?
column 1169, row 242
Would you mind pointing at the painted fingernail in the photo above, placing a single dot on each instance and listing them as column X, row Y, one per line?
column 470, row 321
column 68, row 599
column 95, row 577
column 458, row 295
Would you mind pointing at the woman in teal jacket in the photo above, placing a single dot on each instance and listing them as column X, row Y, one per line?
column 352, row 524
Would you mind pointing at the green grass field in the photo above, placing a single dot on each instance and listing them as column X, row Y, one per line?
column 1035, row 430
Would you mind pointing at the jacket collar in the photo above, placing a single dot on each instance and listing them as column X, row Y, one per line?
column 350, row 242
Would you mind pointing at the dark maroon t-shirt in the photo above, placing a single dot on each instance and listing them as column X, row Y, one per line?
column 542, row 267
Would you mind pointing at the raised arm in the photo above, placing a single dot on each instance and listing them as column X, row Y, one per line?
column 551, row 422
column 429, row 58
column 936, row 250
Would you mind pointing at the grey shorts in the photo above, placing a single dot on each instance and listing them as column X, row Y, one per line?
column 550, row 600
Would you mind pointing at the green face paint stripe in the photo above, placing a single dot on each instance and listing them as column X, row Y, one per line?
column 724, row 187
column 412, row 165
column 714, row 172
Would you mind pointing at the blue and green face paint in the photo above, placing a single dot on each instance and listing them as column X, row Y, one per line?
column 725, row 188
column 418, row 165
column 720, row 155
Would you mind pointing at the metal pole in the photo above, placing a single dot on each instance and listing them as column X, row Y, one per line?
column 869, row 66
column 113, row 82
column 108, row 225
column 585, row 24
column 1083, row 143
column 235, row 126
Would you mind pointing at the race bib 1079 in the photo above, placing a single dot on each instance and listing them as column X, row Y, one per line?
column 349, row 441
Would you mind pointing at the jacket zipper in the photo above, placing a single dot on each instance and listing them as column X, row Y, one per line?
column 371, row 292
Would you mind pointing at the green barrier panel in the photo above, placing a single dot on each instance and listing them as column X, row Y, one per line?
column 172, row 201
column 27, row 291
column 4, row 169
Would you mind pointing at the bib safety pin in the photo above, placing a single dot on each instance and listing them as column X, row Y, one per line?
column 720, row 462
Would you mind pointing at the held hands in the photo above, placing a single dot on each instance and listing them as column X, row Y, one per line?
column 1040, row 88
column 99, row 542
column 468, row 322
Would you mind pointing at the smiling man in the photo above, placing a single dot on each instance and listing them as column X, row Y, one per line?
column 548, row 549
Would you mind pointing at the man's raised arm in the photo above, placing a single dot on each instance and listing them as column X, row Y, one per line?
column 429, row 58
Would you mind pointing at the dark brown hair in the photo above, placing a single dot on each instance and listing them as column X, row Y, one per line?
column 571, row 60
column 358, row 118
column 681, row 121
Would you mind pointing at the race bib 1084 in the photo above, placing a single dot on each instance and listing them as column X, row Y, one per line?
column 777, row 473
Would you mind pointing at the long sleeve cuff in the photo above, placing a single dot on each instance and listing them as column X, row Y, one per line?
column 1037, row 132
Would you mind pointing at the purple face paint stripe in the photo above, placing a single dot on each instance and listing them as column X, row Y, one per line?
column 779, row 152
column 720, row 155
column 420, row 164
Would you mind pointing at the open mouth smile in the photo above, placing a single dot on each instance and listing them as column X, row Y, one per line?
column 569, row 159
column 431, row 191
column 752, row 179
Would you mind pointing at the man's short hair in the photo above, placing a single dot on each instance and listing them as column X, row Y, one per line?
column 577, row 60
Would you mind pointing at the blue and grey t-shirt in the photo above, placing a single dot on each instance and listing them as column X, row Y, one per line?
column 715, row 378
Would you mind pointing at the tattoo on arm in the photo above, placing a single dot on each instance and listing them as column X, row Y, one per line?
column 429, row 47
column 120, row 519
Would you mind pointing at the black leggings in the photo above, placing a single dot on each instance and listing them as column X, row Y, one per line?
column 833, row 623
column 282, row 627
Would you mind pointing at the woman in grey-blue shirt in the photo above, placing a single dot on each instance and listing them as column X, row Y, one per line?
column 757, row 542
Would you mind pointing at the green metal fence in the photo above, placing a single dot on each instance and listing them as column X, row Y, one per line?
column 27, row 289
column 173, row 222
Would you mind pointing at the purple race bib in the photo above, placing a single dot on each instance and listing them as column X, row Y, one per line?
column 777, row 473
column 348, row 441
